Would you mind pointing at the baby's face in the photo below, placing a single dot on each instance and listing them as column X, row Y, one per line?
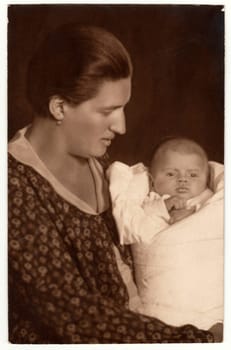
column 184, row 175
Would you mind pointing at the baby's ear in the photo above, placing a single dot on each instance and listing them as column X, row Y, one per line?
column 209, row 177
column 151, row 182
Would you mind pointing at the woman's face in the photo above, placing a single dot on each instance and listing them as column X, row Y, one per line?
column 90, row 127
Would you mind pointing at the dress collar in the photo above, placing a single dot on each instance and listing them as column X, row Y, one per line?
column 21, row 149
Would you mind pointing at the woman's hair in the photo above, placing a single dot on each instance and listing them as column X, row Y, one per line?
column 179, row 144
column 72, row 62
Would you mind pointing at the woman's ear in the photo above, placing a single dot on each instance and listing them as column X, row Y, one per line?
column 56, row 108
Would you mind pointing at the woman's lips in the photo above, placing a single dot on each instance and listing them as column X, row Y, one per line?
column 107, row 142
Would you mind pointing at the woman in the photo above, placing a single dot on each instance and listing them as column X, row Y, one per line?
column 65, row 284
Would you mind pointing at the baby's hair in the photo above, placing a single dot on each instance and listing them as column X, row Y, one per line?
column 179, row 144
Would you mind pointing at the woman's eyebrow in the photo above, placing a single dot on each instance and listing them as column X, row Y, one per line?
column 110, row 108
column 113, row 106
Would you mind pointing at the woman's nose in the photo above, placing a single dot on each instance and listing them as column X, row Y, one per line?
column 119, row 124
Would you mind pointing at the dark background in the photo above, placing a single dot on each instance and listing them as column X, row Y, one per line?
column 178, row 57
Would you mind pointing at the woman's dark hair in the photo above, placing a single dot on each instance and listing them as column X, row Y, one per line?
column 72, row 62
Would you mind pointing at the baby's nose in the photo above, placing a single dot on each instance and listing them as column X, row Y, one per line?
column 182, row 179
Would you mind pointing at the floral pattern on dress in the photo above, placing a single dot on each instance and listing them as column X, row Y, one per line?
column 64, row 283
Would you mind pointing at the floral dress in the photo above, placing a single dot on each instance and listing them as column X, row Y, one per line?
column 64, row 283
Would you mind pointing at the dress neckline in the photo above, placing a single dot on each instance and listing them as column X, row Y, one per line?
column 21, row 149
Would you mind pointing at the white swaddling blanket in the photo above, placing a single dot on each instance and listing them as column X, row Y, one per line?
column 179, row 271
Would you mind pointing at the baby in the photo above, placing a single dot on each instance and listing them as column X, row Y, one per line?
column 175, row 186
column 180, row 173
column 172, row 215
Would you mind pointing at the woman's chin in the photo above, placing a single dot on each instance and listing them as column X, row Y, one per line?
column 99, row 153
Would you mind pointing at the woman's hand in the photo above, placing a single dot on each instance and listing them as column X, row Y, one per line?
column 179, row 214
column 175, row 202
column 176, row 207
column 217, row 331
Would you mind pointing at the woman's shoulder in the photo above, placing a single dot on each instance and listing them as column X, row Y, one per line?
column 15, row 167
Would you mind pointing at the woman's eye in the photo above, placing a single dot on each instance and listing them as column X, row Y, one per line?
column 193, row 175
column 106, row 113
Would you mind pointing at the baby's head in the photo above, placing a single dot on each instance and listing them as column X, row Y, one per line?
column 179, row 167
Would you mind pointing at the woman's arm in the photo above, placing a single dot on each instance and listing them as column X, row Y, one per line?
column 57, row 298
column 49, row 285
column 75, row 314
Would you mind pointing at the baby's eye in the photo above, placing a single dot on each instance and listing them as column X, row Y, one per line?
column 194, row 175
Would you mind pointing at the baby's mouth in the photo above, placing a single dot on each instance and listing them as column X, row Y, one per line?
column 182, row 189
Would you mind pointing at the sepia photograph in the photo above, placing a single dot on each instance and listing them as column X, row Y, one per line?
column 115, row 173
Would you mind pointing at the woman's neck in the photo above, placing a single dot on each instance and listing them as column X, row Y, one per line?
column 47, row 140
column 72, row 172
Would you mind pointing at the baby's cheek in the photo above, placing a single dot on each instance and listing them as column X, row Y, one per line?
column 198, row 187
column 163, row 187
